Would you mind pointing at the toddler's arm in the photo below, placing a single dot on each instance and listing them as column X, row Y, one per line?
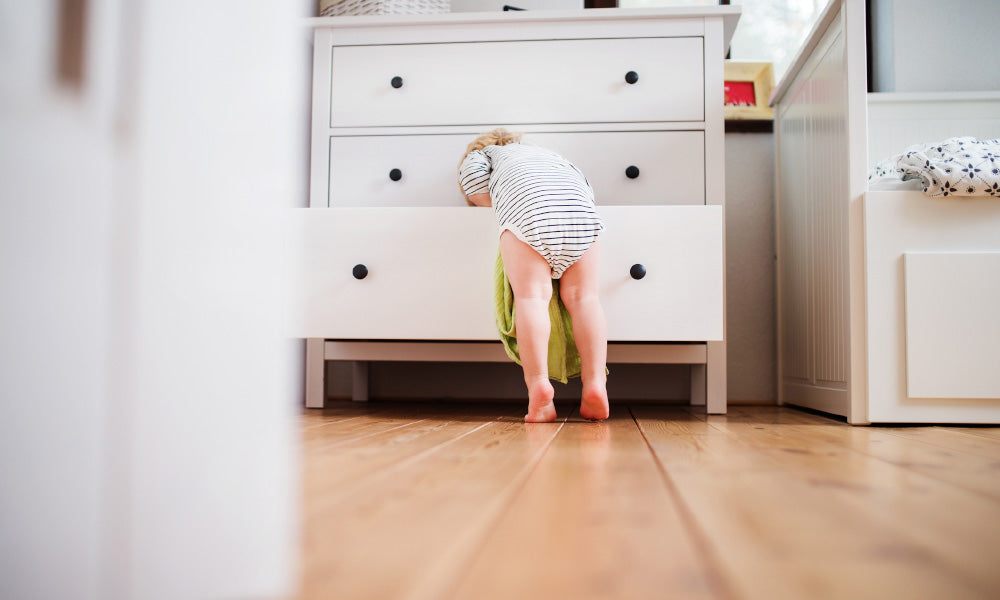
column 480, row 199
column 474, row 177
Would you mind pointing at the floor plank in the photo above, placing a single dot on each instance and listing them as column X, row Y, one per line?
column 312, row 418
column 594, row 520
column 343, row 430
column 952, row 439
column 911, row 484
column 908, row 483
column 335, row 472
column 800, row 515
column 968, row 462
column 989, row 432
column 391, row 537
column 438, row 500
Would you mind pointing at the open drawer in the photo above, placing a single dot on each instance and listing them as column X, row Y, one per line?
column 427, row 273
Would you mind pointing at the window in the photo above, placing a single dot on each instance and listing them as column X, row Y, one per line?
column 769, row 30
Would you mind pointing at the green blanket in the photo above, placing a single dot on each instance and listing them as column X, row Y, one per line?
column 564, row 359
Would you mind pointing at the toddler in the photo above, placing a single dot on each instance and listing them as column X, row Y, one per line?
column 548, row 230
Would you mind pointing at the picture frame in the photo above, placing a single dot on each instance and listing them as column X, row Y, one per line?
column 748, row 88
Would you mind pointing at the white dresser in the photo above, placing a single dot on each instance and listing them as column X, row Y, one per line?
column 398, row 267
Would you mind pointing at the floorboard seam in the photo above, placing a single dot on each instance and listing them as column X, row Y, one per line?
column 929, row 476
column 312, row 426
column 320, row 448
column 977, row 454
column 461, row 555
column 699, row 539
column 949, row 566
column 405, row 463
column 977, row 435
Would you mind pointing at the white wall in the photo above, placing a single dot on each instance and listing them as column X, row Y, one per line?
column 935, row 46
column 54, row 359
column 750, row 312
column 148, row 422
column 750, row 267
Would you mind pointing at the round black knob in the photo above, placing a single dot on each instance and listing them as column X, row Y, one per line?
column 395, row 174
column 632, row 172
column 361, row 271
column 631, row 77
column 396, row 82
column 637, row 271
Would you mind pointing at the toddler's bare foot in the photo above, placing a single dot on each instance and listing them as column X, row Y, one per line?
column 540, row 406
column 594, row 403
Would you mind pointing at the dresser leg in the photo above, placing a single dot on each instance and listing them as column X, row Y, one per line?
column 359, row 391
column 315, row 373
column 715, row 380
column 698, row 385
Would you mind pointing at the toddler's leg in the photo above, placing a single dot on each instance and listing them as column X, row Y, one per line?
column 531, row 280
column 578, row 289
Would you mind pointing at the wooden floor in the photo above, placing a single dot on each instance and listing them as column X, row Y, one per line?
column 424, row 500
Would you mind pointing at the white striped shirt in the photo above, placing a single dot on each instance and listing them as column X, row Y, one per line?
column 537, row 195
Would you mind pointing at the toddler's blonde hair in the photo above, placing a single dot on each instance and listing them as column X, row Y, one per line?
column 496, row 137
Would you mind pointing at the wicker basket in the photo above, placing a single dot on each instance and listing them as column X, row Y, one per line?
column 335, row 8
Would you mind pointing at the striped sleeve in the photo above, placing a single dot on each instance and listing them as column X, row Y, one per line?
column 474, row 174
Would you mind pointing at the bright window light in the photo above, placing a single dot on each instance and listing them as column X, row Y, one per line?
column 769, row 30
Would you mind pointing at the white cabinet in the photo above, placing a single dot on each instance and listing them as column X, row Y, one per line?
column 396, row 260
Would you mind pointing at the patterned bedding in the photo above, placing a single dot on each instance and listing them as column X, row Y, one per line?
column 960, row 166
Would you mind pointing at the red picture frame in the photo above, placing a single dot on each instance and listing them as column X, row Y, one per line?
column 739, row 93
column 747, row 91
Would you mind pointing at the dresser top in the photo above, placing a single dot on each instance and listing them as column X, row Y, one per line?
column 730, row 16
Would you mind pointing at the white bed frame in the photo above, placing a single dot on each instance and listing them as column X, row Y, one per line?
column 888, row 302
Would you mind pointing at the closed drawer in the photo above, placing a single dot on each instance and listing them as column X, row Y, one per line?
column 421, row 170
column 430, row 273
column 561, row 81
